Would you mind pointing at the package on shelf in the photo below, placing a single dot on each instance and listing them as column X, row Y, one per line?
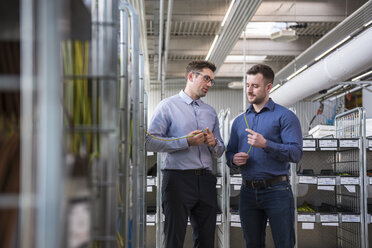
column 320, row 131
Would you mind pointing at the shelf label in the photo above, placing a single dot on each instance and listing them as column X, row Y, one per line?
column 326, row 181
column 306, row 217
column 150, row 218
column 307, row 179
column 235, row 218
column 308, row 149
column 370, row 180
column 219, row 217
column 350, row 218
column 350, row 180
column 236, row 180
column 350, row 188
column 328, row 143
column 326, row 188
column 218, row 186
column 329, row 218
column 308, row 226
column 219, row 180
column 150, row 181
column 330, row 224
column 349, row 143
column 370, row 144
column 235, row 224
column 149, row 189
column 308, row 143
column 237, row 187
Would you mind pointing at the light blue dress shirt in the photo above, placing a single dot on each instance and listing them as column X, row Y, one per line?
column 176, row 117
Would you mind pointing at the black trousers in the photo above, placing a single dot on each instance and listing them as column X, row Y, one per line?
column 189, row 195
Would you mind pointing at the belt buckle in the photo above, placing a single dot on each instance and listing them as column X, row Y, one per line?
column 258, row 184
column 198, row 172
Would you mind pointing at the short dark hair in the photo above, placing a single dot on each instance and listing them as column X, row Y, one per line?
column 199, row 65
column 266, row 71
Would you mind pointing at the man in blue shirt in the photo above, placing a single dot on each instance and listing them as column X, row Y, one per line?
column 187, row 130
column 263, row 141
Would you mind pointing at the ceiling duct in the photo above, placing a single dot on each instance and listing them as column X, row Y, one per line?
column 238, row 19
column 351, row 24
column 350, row 59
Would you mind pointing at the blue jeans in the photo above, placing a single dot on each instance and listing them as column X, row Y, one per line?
column 275, row 203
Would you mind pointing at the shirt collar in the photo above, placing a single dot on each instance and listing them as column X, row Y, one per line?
column 188, row 99
column 269, row 106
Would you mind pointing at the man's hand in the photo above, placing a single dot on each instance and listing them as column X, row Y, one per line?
column 240, row 158
column 256, row 139
column 209, row 138
column 196, row 138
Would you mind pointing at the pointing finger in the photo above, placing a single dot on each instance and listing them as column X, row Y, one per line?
column 250, row 131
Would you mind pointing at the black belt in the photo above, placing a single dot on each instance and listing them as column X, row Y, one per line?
column 197, row 172
column 264, row 183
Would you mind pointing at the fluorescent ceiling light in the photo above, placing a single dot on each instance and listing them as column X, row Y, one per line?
column 332, row 48
column 297, row 72
column 259, row 29
column 240, row 58
column 265, row 29
column 211, row 49
column 275, row 88
column 238, row 85
column 227, row 13
column 361, row 76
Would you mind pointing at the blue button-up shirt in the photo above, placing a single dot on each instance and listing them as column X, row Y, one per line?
column 280, row 127
column 176, row 117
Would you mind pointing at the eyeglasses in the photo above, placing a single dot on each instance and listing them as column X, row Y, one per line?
column 205, row 77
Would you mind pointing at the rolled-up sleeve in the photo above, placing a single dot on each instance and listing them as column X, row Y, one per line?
column 158, row 128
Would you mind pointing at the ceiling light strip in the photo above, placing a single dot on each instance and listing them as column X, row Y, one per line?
column 227, row 13
column 241, row 13
column 361, row 76
column 213, row 44
column 332, row 48
column 297, row 72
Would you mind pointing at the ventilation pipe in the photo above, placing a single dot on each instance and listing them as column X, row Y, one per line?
column 350, row 59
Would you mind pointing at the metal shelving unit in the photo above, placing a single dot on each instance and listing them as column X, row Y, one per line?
column 132, row 176
column 69, row 167
column 223, row 177
column 368, row 181
column 330, row 187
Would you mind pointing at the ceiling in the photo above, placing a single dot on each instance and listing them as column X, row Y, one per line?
column 195, row 24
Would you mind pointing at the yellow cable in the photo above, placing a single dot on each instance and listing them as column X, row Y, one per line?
column 246, row 122
column 185, row 137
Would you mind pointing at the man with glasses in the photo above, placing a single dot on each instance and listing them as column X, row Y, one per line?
column 187, row 130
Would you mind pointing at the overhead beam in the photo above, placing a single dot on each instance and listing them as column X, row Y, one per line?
column 199, row 45
column 273, row 11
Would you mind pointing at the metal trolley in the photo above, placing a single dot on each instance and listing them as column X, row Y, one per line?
column 331, row 186
column 350, row 130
